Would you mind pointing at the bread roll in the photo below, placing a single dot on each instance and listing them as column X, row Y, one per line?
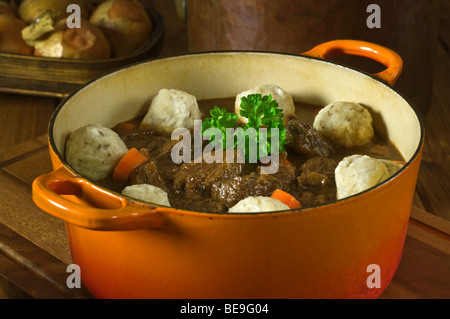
column 125, row 23
column 87, row 42
column 11, row 35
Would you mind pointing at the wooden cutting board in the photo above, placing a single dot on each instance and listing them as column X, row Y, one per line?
column 34, row 251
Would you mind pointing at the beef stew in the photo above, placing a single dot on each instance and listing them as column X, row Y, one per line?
column 306, row 168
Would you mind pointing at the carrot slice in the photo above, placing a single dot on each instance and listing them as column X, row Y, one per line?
column 286, row 198
column 287, row 162
column 127, row 164
column 125, row 127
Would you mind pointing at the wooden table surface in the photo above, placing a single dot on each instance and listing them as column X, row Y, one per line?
column 34, row 251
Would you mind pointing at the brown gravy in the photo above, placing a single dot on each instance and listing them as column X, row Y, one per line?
column 207, row 188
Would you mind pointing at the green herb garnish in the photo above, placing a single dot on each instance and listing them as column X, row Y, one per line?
column 262, row 111
column 220, row 119
column 263, row 115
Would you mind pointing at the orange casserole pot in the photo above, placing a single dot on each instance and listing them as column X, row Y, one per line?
column 132, row 249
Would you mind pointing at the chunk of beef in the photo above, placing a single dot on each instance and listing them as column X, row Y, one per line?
column 309, row 199
column 138, row 138
column 231, row 191
column 161, row 148
column 317, row 176
column 148, row 174
column 303, row 139
column 195, row 179
column 317, row 171
column 320, row 165
column 205, row 205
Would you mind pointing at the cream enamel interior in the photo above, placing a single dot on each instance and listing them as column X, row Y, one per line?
column 127, row 93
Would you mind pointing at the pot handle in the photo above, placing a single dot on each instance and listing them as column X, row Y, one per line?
column 385, row 56
column 79, row 202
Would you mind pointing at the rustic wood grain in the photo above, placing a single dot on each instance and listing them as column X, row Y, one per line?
column 424, row 268
column 23, row 118
column 17, row 210
column 422, row 273
column 433, row 186
column 34, row 270
column 444, row 25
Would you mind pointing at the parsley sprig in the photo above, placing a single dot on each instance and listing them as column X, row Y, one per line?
column 220, row 119
column 261, row 112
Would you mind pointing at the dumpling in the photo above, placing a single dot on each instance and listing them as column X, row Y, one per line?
column 345, row 123
column 94, row 151
column 171, row 109
column 356, row 173
column 148, row 193
column 255, row 204
column 284, row 99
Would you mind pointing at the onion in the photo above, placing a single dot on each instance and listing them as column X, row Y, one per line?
column 11, row 37
column 87, row 42
column 29, row 10
column 125, row 23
